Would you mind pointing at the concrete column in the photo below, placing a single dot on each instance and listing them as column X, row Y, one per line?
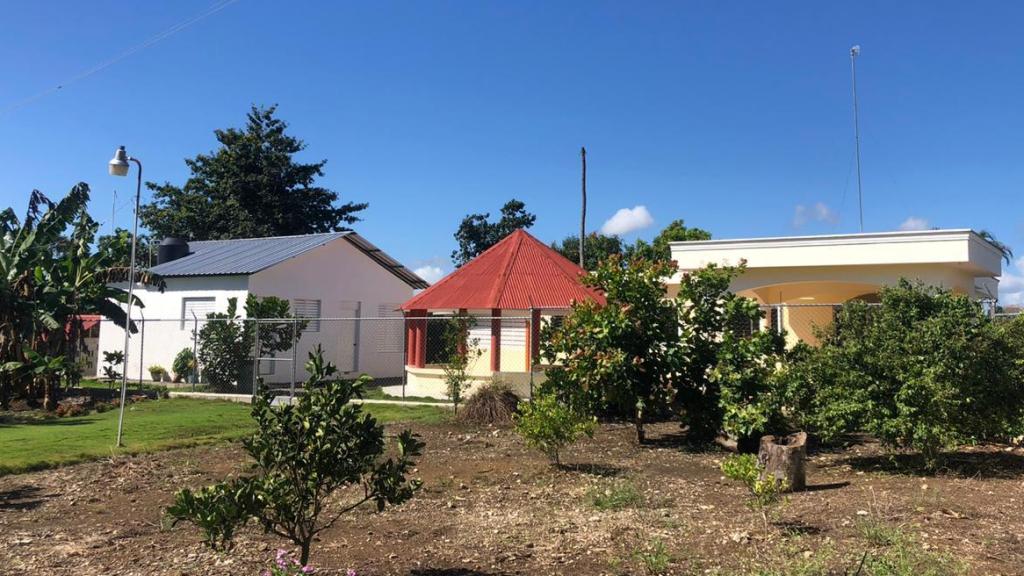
column 421, row 341
column 533, row 340
column 496, row 340
column 410, row 340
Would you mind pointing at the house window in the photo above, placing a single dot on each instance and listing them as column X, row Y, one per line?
column 197, row 307
column 308, row 309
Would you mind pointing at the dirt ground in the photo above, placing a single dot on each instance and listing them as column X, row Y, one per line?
column 490, row 506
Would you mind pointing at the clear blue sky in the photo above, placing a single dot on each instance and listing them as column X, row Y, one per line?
column 730, row 115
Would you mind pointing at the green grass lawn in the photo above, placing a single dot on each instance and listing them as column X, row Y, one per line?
column 30, row 442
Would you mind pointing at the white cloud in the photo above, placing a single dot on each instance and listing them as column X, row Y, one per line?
column 627, row 220
column 430, row 273
column 820, row 212
column 915, row 223
column 1011, row 285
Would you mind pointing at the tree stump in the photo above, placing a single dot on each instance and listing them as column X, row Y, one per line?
column 784, row 458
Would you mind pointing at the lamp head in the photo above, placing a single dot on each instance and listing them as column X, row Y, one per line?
column 855, row 51
column 119, row 163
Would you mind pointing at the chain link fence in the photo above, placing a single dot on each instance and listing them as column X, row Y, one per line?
column 237, row 356
column 403, row 356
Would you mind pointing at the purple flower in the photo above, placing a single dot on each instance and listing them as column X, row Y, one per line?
column 350, row 572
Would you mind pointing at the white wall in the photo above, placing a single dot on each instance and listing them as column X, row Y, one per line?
column 347, row 283
column 164, row 336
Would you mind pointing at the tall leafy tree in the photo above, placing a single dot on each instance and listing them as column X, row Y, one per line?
column 477, row 233
column 252, row 186
column 118, row 248
column 597, row 249
column 659, row 248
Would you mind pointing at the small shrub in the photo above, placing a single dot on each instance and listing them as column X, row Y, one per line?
column 549, row 425
column 304, row 453
column 184, row 366
column 112, row 370
column 765, row 493
column 615, row 496
column 494, row 403
column 460, row 352
column 654, row 557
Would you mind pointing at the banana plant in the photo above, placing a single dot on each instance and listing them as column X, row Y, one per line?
column 50, row 276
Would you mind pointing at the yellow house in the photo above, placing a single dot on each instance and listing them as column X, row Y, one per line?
column 800, row 279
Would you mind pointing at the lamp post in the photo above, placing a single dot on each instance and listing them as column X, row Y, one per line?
column 119, row 166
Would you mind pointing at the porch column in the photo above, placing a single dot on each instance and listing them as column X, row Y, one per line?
column 533, row 340
column 496, row 340
column 410, row 340
column 461, row 346
column 421, row 340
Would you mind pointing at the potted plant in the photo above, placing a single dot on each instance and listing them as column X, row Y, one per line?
column 157, row 373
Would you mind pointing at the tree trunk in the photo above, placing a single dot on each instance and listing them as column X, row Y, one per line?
column 784, row 459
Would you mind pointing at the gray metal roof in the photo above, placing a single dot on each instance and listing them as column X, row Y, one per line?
column 250, row 255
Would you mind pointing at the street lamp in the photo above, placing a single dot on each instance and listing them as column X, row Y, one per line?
column 118, row 166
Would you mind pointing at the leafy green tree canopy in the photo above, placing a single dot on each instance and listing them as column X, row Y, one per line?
column 659, row 248
column 251, row 186
column 477, row 233
column 598, row 248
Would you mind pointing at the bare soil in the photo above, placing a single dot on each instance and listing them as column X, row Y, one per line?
column 491, row 506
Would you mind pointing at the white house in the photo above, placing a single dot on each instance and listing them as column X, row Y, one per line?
column 331, row 275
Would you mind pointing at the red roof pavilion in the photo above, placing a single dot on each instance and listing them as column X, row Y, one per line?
column 518, row 273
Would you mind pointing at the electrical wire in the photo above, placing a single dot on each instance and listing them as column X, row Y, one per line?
column 210, row 11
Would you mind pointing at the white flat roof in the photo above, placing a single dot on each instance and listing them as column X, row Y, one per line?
column 959, row 247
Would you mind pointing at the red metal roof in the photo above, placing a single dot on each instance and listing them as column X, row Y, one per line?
column 518, row 273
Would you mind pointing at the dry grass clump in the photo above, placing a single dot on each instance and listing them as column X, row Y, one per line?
column 492, row 404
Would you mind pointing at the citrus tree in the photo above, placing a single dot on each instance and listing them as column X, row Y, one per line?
column 304, row 453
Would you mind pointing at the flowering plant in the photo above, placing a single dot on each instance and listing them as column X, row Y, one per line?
column 285, row 564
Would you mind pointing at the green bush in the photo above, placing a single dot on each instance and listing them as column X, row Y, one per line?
column 184, row 366
column 226, row 345
column 623, row 358
column 304, row 453
column 549, row 425
column 926, row 370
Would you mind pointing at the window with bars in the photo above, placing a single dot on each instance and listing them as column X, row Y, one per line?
column 308, row 309
column 196, row 307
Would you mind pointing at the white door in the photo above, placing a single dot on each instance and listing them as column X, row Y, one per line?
column 348, row 337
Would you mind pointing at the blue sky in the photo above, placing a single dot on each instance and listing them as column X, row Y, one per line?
column 734, row 116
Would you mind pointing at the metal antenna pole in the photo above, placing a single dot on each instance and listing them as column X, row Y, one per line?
column 583, row 215
column 854, row 52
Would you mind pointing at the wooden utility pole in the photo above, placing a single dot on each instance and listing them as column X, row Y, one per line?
column 583, row 215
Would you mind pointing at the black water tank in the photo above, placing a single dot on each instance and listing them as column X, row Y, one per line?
column 171, row 249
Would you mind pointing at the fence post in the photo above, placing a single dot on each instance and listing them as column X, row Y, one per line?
column 295, row 325
column 142, row 347
column 255, row 356
column 532, row 346
column 195, row 349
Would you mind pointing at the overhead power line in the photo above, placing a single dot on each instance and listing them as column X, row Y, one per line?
column 210, row 11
